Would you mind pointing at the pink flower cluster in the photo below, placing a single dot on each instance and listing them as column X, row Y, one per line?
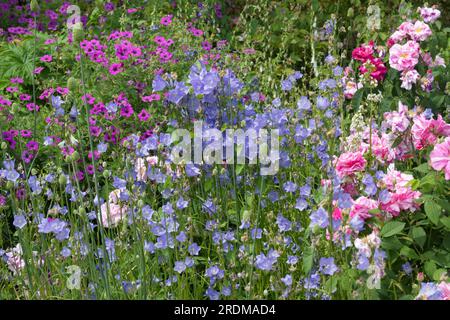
column 95, row 51
column 425, row 131
column 371, row 64
column 429, row 15
column 404, row 57
column 163, row 49
column 400, row 194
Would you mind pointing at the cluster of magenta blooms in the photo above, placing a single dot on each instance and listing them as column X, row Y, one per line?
column 231, row 254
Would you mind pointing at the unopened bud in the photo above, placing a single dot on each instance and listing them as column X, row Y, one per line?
column 34, row 6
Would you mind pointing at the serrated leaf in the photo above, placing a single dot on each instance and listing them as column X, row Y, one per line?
column 392, row 228
column 430, row 268
column 446, row 222
column 409, row 253
column 423, row 168
column 419, row 235
column 433, row 211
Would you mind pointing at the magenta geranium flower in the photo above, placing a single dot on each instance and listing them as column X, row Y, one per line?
column 143, row 115
column 115, row 68
column 46, row 58
column 166, row 20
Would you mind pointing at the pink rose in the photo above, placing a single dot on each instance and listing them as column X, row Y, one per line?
column 425, row 132
column 409, row 77
column 350, row 162
column 361, row 207
column 420, row 31
column 404, row 57
column 440, row 157
column 363, row 53
column 115, row 215
column 398, row 121
column 429, row 14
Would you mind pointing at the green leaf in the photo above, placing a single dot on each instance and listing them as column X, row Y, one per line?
column 446, row 222
column 419, row 236
column 357, row 97
column 430, row 268
column 308, row 258
column 433, row 211
column 423, row 168
column 391, row 228
column 409, row 253
column 437, row 274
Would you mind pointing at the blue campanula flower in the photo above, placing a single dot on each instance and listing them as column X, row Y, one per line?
column 319, row 218
column 327, row 266
column 283, row 223
column 266, row 263
column 19, row 221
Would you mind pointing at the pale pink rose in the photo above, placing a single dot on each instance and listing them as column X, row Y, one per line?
column 140, row 167
column 440, row 157
column 114, row 196
column 404, row 57
column 350, row 89
column 409, row 77
column 420, row 31
column 395, row 180
column 398, row 120
column 381, row 148
column 405, row 28
column 426, row 57
column 429, row 14
column 445, row 289
column 115, row 215
column 152, row 160
column 349, row 163
column 361, row 207
column 438, row 62
column 397, row 36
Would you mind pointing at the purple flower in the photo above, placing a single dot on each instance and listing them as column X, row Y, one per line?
column 65, row 252
column 119, row 183
column 322, row 103
column 327, row 266
column 178, row 93
column 319, row 218
column 194, row 249
column 19, row 221
column 407, row 268
column 290, row 187
column 292, row 260
column 286, row 85
column 301, row 204
column 287, row 280
column 429, row 291
column 204, row 82
column 192, row 170
column 266, row 263
column 180, row 266
column 9, row 172
column 209, row 206
column 283, row 223
column 158, row 83
column 212, row 294
column 181, row 203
